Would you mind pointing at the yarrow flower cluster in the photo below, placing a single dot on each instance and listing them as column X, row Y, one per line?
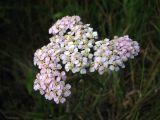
column 74, row 47
column 76, row 44
column 111, row 55
column 51, row 79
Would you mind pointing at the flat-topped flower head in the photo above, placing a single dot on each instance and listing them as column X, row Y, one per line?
column 111, row 55
column 61, row 26
column 76, row 43
column 52, row 85
column 74, row 47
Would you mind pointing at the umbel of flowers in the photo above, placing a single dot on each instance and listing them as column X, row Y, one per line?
column 74, row 46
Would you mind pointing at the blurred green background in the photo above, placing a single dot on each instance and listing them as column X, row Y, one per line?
column 132, row 93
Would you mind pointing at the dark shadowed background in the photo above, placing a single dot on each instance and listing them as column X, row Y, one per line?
column 132, row 93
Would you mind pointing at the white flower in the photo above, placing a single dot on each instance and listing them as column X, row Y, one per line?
column 92, row 69
column 95, row 34
column 68, row 66
column 68, row 86
column 56, row 100
column 62, row 100
column 111, row 67
column 36, row 87
column 83, row 71
column 67, row 93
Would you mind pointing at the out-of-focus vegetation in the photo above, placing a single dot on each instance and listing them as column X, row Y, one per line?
column 132, row 93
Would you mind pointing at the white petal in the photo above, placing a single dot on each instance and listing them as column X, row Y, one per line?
column 62, row 100
column 68, row 86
